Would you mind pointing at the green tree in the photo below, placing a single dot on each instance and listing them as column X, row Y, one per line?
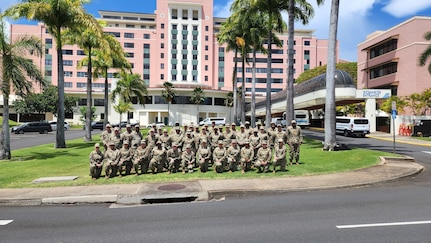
column 197, row 98
column 16, row 71
column 423, row 58
column 123, row 107
column 129, row 86
column 88, row 40
column 298, row 10
column 84, row 114
column 400, row 102
column 57, row 15
column 349, row 67
column 169, row 93
column 330, row 137
column 419, row 103
column 228, row 102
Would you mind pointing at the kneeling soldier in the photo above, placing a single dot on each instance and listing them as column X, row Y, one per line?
column 126, row 155
column 174, row 158
column 158, row 156
column 219, row 158
column 111, row 156
column 279, row 156
column 247, row 156
column 233, row 154
column 204, row 156
column 96, row 162
column 188, row 159
column 141, row 158
column 263, row 158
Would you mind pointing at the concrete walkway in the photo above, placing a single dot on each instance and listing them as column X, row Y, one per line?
column 389, row 169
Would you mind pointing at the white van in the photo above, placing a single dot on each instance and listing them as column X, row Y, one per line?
column 348, row 126
column 301, row 117
column 209, row 120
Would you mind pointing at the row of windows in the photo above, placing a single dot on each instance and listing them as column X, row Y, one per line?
column 160, row 100
column 262, row 80
column 383, row 70
column 383, row 48
column 260, row 70
column 184, row 14
column 262, row 90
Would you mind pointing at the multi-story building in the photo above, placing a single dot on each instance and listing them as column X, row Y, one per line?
column 389, row 59
column 177, row 43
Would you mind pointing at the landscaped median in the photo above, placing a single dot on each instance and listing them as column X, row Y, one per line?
column 30, row 164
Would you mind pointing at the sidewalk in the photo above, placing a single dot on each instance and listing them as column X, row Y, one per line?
column 203, row 190
column 399, row 139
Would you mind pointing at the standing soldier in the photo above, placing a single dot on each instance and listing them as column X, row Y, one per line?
column 241, row 136
column 111, row 157
column 125, row 159
column 228, row 135
column 188, row 159
column 173, row 158
column 248, row 129
column 158, row 157
column 204, row 135
column 136, row 137
column 214, row 138
column 263, row 134
column 272, row 134
column 279, row 156
column 105, row 135
column 247, row 156
column 219, row 158
column 280, row 134
column 166, row 139
column 294, row 137
column 116, row 138
column 204, row 156
column 141, row 158
column 233, row 156
column 189, row 140
column 177, row 138
column 128, row 134
column 255, row 142
column 96, row 162
column 151, row 139
column 263, row 158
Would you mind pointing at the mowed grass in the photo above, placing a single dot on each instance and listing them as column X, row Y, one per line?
column 46, row 161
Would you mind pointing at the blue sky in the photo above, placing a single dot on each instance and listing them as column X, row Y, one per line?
column 357, row 19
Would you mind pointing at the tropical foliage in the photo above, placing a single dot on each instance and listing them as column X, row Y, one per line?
column 350, row 67
column 197, row 98
column 169, row 93
column 16, row 73
column 426, row 55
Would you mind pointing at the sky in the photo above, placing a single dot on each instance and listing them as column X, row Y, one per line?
column 357, row 19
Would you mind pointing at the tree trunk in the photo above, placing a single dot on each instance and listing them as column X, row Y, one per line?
column 105, row 120
column 289, row 87
column 169, row 113
column 243, row 89
column 89, row 115
column 5, row 152
column 253, row 91
column 60, row 140
column 330, row 80
column 235, row 87
column 268, row 77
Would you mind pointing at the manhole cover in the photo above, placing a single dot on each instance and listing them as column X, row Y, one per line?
column 171, row 187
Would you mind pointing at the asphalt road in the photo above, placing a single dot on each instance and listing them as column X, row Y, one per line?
column 30, row 139
column 402, row 215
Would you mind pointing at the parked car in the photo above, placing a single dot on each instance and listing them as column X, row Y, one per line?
column 54, row 125
column 158, row 125
column 349, row 126
column 96, row 125
column 124, row 123
column 219, row 121
column 40, row 127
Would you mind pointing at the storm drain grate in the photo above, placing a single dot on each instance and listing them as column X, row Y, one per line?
column 168, row 200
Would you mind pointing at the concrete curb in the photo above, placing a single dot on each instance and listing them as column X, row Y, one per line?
column 399, row 141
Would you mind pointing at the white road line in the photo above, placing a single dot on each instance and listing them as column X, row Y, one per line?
column 5, row 222
column 381, row 224
column 428, row 152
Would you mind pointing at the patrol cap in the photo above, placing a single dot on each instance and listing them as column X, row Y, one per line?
column 128, row 125
column 280, row 140
column 262, row 128
column 278, row 125
column 188, row 146
column 246, row 141
column 125, row 143
column 272, row 123
column 151, row 130
column 137, row 126
column 293, row 121
column 175, row 145
column 233, row 124
column 264, row 142
column 177, row 128
column 159, row 142
column 255, row 131
column 143, row 142
column 111, row 144
column 97, row 145
column 242, row 126
column 188, row 133
column 247, row 123
column 220, row 141
column 165, row 130
column 116, row 129
column 108, row 125
column 204, row 141
column 234, row 141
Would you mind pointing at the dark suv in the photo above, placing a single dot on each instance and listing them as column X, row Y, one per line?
column 41, row 127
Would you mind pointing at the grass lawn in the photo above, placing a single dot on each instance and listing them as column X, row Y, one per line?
column 46, row 161
column 423, row 138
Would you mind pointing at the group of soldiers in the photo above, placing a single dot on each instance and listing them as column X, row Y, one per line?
column 224, row 148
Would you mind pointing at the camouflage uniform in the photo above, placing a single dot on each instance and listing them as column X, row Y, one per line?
column 233, row 156
column 280, row 134
column 125, row 159
column 241, row 136
column 173, row 159
column 188, row 159
column 111, row 160
column 151, row 139
column 204, row 156
column 177, row 138
column 189, row 140
column 141, row 158
column 255, row 142
column 166, row 140
column 219, row 158
column 116, row 138
column 128, row 134
column 246, row 156
column 96, row 162
column 280, row 156
column 158, row 158
column 294, row 137
column 136, row 138
column 263, row 158
column 105, row 135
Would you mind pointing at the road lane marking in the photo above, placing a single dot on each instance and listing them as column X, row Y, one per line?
column 427, row 152
column 382, row 224
column 5, row 222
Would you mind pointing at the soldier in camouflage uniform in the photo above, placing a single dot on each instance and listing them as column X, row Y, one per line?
column 246, row 156
column 219, row 158
column 96, row 162
column 280, row 134
column 189, row 140
column 111, row 160
column 214, row 138
column 233, row 156
column 151, row 139
column 177, row 138
column 279, row 156
column 271, row 134
column 128, row 134
column 117, row 138
column 228, row 136
column 188, row 159
column 136, row 137
column 204, row 156
column 294, row 136
column 158, row 158
column 173, row 158
column 125, row 159
column 263, row 134
column 166, row 139
column 241, row 136
column 105, row 135
column 255, row 140
column 263, row 158
column 141, row 158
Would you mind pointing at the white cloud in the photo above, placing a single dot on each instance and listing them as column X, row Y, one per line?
column 403, row 8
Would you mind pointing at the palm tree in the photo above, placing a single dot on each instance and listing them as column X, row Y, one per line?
column 169, row 94
column 330, row 142
column 112, row 57
column 88, row 40
column 197, row 98
column 228, row 102
column 15, row 72
column 129, row 86
column 123, row 107
column 423, row 58
column 303, row 11
column 58, row 15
